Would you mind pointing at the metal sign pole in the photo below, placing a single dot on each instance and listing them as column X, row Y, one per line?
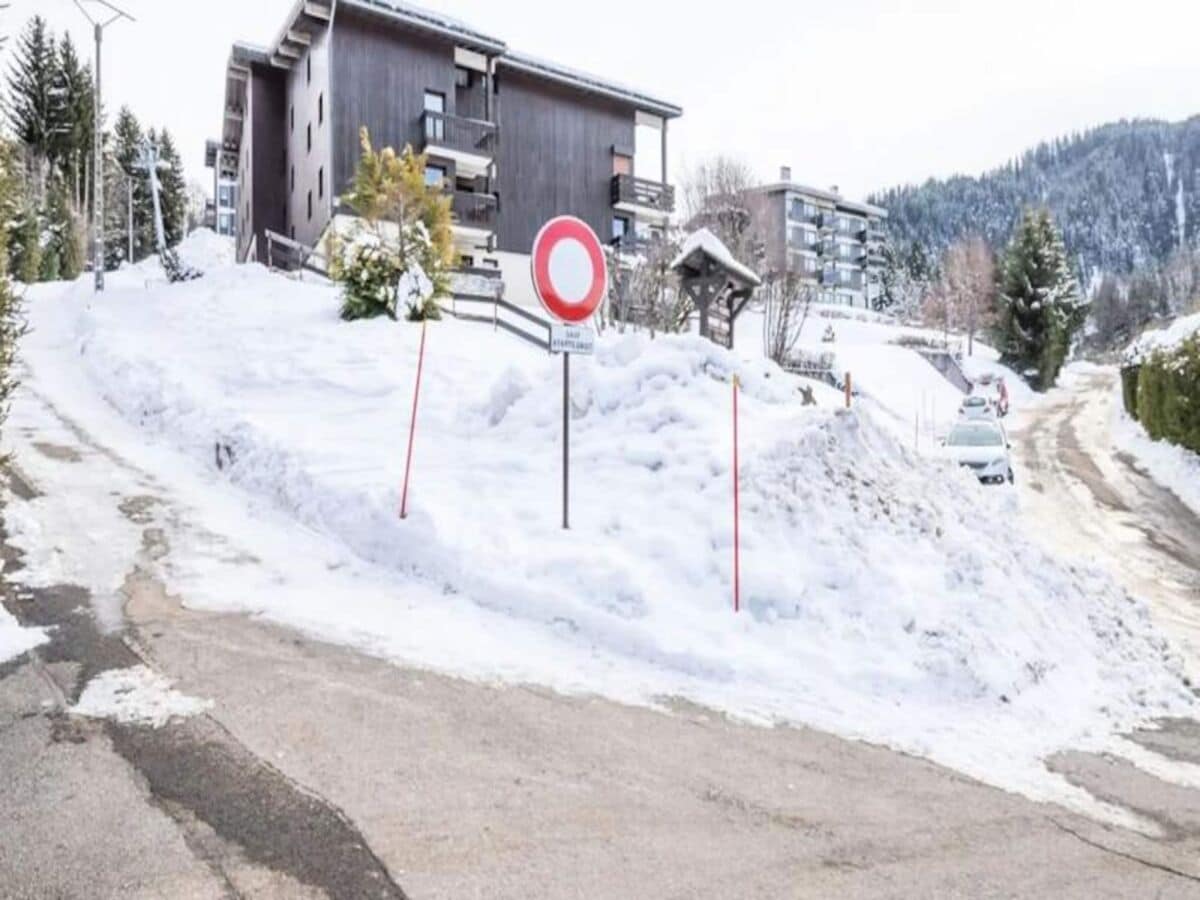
column 566, row 442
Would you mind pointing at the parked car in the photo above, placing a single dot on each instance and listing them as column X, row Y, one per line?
column 977, row 406
column 981, row 446
column 994, row 390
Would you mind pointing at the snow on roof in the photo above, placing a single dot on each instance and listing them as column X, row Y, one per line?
column 708, row 243
column 1163, row 338
column 427, row 18
column 588, row 82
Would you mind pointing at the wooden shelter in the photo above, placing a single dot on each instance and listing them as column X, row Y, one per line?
column 718, row 285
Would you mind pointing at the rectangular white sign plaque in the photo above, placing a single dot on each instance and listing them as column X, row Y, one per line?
column 577, row 339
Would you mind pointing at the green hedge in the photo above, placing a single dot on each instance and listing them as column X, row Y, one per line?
column 1129, row 387
column 1168, row 395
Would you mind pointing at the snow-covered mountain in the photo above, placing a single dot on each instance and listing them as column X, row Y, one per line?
column 1127, row 195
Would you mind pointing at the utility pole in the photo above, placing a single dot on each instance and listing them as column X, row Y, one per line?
column 98, row 26
column 129, row 185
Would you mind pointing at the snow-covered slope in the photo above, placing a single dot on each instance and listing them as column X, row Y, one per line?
column 886, row 596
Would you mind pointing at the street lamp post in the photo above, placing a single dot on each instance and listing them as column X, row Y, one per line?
column 98, row 26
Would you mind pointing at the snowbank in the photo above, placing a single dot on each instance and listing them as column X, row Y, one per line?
column 888, row 597
column 1174, row 467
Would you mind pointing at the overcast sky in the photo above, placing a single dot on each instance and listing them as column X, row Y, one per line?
column 863, row 94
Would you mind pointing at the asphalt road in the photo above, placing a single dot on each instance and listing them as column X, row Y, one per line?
column 321, row 772
column 1091, row 501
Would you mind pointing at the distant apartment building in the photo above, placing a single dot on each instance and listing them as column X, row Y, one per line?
column 221, row 215
column 833, row 243
column 512, row 139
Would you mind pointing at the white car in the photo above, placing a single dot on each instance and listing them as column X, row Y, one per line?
column 983, row 447
column 977, row 407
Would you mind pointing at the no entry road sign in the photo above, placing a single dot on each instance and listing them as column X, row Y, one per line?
column 570, row 276
column 570, row 273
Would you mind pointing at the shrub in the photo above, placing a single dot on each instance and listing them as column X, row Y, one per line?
column 1129, row 388
column 400, row 247
column 1168, row 395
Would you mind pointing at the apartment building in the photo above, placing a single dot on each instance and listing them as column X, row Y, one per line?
column 832, row 242
column 513, row 139
column 222, row 211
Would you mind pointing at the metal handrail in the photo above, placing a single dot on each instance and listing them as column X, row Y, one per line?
column 496, row 322
column 459, row 133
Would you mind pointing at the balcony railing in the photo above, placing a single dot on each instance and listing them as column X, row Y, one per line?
column 643, row 193
column 473, row 136
column 474, row 210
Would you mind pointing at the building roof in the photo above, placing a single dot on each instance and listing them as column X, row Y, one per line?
column 428, row 20
column 591, row 83
column 828, row 196
column 705, row 244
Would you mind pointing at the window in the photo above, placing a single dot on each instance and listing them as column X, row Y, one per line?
column 308, row 70
column 435, row 176
column 491, row 264
column 466, row 262
column 310, row 206
column 622, row 164
column 292, row 187
column 435, row 125
column 462, row 77
column 321, row 110
column 620, row 228
column 291, row 118
column 292, row 232
column 321, row 182
column 310, row 137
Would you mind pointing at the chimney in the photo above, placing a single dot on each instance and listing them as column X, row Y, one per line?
column 785, row 174
column 834, row 190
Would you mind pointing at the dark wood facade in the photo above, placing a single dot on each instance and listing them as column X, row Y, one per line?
column 263, row 185
column 380, row 73
column 520, row 141
column 556, row 156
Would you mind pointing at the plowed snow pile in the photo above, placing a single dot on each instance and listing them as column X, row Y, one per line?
column 887, row 597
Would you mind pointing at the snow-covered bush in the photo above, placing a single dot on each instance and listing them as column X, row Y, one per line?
column 399, row 250
column 1168, row 394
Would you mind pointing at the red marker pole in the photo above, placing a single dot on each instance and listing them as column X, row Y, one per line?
column 737, row 518
column 412, row 428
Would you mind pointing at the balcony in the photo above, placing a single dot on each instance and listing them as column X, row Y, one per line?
column 476, row 212
column 469, row 142
column 638, row 195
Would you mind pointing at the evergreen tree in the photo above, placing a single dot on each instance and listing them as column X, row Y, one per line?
column 75, row 147
column 62, row 256
column 11, row 323
column 35, row 108
column 173, row 189
column 1040, row 306
column 126, row 151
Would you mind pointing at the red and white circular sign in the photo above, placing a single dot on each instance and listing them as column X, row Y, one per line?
column 570, row 273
